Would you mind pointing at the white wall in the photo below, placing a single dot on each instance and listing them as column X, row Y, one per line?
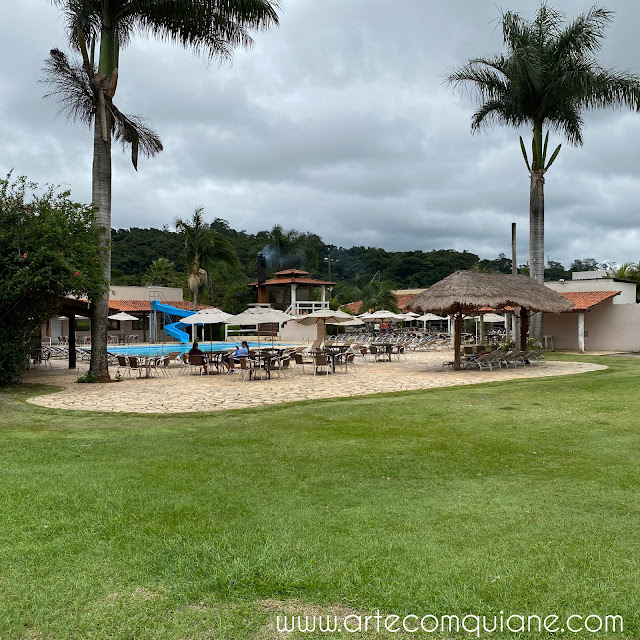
column 609, row 327
column 296, row 332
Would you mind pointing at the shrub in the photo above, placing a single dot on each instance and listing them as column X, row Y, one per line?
column 48, row 250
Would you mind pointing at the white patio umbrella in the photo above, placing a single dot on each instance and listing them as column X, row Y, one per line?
column 122, row 315
column 383, row 314
column 259, row 315
column 207, row 316
column 430, row 317
column 413, row 314
column 427, row 317
column 491, row 317
column 327, row 316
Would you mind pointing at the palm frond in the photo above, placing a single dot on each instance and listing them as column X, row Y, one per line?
column 70, row 87
column 132, row 130
column 486, row 77
column 584, row 34
column 214, row 26
column 547, row 75
column 497, row 112
column 82, row 16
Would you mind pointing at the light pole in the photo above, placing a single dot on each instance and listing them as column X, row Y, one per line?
column 329, row 261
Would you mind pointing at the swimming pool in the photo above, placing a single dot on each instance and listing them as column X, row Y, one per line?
column 163, row 349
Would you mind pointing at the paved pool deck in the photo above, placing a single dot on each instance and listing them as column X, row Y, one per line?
column 193, row 392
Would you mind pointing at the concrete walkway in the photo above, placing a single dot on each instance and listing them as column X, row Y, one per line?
column 189, row 393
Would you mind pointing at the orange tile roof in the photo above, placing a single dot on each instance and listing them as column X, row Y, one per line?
column 144, row 306
column 354, row 307
column 293, row 279
column 582, row 301
column 404, row 299
column 292, row 272
column 585, row 300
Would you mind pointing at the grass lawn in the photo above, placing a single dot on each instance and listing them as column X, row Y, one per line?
column 522, row 497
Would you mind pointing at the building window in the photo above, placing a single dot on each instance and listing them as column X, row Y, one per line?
column 140, row 324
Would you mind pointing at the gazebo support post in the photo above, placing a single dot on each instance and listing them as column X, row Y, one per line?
column 524, row 327
column 481, row 329
column 457, row 341
column 507, row 326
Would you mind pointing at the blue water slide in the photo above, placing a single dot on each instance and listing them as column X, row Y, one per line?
column 174, row 329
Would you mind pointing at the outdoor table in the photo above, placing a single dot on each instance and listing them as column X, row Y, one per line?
column 214, row 359
column 388, row 347
column 260, row 362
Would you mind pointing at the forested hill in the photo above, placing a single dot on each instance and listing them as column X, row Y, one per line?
column 135, row 249
column 158, row 257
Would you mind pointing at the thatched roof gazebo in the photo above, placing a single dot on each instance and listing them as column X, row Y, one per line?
column 466, row 291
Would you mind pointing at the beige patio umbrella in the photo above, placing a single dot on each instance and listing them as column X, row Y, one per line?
column 207, row 316
column 259, row 315
column 467, row 291
column 327, row 316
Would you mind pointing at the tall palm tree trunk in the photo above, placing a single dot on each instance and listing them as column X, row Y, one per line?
column 101, row 197
column 536, row 242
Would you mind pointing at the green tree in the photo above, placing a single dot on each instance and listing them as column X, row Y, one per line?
column 162, row 273
column 587, row 264
column 203, row 249
column 546, row 79
column 378, row 295
column 555, row 271
column 501, row 264
column 48, row 250
column 98, row 29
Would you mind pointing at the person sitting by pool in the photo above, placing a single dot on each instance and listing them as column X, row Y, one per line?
column 194, row 351
column 240, row 352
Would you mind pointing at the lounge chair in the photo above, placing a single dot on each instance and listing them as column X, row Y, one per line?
column 516, row 358
column 536, row 357
column 499, row 358
column 483, row 362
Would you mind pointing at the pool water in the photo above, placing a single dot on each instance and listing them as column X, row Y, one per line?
column 163, row 349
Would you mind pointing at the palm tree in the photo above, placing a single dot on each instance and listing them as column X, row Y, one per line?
column 203, row 248
column 628, row 271
column 87, row 89
column 378, row 295
column 546, row 79
column 285, row 249
column 162, row 273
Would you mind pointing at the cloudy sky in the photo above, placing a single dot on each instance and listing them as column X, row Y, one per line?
column 338, row 122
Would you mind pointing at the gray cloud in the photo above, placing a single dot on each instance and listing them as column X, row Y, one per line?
column 338, row 123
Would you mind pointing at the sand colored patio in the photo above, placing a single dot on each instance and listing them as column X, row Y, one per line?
column 189, row 393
